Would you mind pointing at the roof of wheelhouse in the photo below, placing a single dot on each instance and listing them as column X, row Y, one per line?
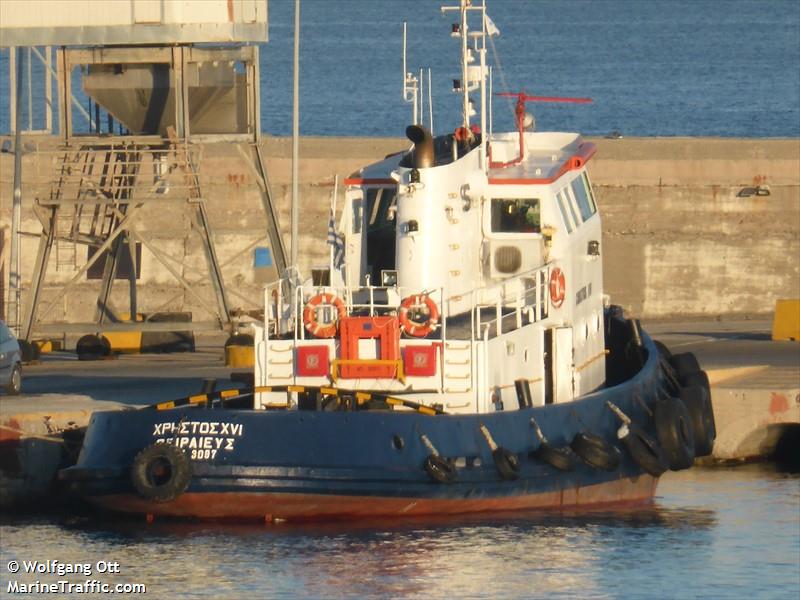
column 548, row 155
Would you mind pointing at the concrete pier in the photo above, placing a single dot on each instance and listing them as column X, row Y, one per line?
column 755, row 383
column 755, row 410
column 32, row 442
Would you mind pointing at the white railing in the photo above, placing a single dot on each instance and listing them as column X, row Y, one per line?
column 522, row 299
column 284, row 304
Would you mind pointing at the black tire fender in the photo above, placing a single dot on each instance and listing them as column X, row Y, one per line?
column 440, row 469
column 684, row 363
column 560, row 458
column 698, row 378
column 92, row 347
column 674, row 432
column 507, row 463
column 161, row 472
column 644, row 450
column 701, row 417
column 29, row 352
column 662, row 349
column 596, row 451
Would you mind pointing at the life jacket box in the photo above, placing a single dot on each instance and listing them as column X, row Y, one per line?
column 386, row 332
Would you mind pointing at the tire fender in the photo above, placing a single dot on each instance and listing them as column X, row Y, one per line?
column 161, row 472
column 560, row 458
column 507, row 463
column 701, row 417
column 596, row 451
column 643, row 449
column 674, row 432
column 440, row 469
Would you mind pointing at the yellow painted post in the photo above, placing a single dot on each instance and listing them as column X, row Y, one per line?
column 786, row 323
column 240, row 356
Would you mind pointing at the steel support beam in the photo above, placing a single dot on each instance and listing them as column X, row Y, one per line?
column 39, row 271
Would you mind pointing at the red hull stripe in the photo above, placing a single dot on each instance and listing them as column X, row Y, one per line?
column 296, row 507
column 586, row 151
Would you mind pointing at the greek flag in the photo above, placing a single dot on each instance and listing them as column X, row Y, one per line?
column 336, row 242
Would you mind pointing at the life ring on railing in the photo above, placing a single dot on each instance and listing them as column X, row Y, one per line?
column 418, row 329
column 558, row 287
column 312, row 325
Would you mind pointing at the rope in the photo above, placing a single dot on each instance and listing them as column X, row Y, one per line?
column 503, row 81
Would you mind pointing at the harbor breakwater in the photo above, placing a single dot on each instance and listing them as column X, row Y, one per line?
column 692, row 227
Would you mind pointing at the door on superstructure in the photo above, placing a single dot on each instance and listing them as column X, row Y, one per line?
column 381, row 226
column 559, row 384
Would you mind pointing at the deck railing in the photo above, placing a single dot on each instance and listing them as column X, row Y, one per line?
column 501, row 307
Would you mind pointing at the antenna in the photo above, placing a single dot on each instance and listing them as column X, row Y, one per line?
column 430, row 101
column 421, row 96
column 410, row 82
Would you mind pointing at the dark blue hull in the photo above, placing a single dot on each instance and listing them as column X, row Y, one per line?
column 316, row 464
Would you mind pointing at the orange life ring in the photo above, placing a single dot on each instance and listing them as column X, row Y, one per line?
column 312, row 325
column 418, row 329
column 558, row 287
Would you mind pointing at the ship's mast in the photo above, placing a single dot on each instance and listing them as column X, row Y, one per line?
column 465, row 64
column 472, row 77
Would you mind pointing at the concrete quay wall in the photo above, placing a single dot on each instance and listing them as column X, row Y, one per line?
column 677, row 239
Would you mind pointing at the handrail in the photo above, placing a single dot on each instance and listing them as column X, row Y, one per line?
column 528, row 298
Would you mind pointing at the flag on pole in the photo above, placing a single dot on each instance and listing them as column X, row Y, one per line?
column 491, row 28
column 336, row 242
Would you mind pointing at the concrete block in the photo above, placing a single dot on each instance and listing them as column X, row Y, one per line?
column 786, row 323
column 32, row 446
column 47, row 346
column 752, row 412
column 125, row 342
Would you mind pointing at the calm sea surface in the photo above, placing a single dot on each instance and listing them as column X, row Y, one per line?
column 726, row 533
column 653, row 67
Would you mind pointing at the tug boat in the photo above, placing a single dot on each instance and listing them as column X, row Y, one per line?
column 459, row 356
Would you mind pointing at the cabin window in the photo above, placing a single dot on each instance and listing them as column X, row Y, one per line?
column 381, row 208
column 580, row 189
column 572, row 206
column 562, row 201
column 588, row 185
column 516, row 215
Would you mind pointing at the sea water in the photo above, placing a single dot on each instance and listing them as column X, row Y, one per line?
column 652, row 67
column 711, row 533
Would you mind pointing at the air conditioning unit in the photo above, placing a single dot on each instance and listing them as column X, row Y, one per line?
column 507, row 258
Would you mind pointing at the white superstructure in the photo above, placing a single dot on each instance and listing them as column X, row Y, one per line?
column 471, row 270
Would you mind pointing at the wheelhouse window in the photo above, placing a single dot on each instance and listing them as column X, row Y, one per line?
column 381, row 208
column 582, row 192
column 563, row 202
column 516, row 215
